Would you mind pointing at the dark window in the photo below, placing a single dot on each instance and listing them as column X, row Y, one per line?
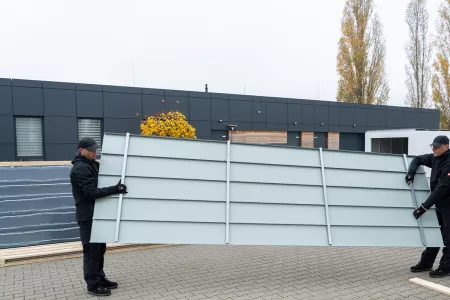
column 390, row 145
column 91, row 128
column 29, row 138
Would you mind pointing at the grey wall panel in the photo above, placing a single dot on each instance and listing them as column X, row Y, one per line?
column 162, row 233
column 121, row 89
column 259, row 126
column 367, row 179
column 294, row 113
column 277, row 126
column 377, row 198
column 200, row 109
column 181, row 104
column 245, row 234
column 7, row 129
column 5, row 81
column 88, row 87
column 240, row 111
column 346, row 116
column 152, row 104
column 58, row 85
column 61, row 130
column 202, row 129
column 7, row 152
column 193, row 94
column 219, row 110
column 60, row 152
column 277, row 112
column 376, row 118
column 262, row 198
column 118, row 105
column 28, row 101
column 147, row 91
column 285, row 194
column 122, row 125
column 27, row 83
column 156, row 188
column 394, row 119
column 165, row 168
column 250, row 213
column 176, row 93
column 114, row 144
column 351, row 141
column 59, row 103
column 321, row 115
column 6, row 102
column 275, row 174
column 279, row 156
column 89, row 104
column 36, row 206
column 259, row 111
column 162, row 210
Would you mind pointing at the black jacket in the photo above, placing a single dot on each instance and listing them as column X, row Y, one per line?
column 84, row 180
column 439, row 180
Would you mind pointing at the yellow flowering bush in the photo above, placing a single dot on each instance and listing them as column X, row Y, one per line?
column 171, row 124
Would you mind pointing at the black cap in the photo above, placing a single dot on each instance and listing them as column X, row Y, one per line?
column 88, row 143
column 440, row 140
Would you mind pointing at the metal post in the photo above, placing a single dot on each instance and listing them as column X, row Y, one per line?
column 227, row 225
column 124, row 167
column 416, row 205
column 325, row 198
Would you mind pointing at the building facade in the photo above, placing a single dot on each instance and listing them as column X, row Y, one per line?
column 43, row 120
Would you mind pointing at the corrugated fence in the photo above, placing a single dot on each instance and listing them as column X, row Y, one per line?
column 36, row 206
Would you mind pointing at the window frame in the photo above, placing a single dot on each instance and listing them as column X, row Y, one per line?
column 29, row 158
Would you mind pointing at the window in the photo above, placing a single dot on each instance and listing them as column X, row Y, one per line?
column 90, row 128
column 390, row 145
column 29, row 138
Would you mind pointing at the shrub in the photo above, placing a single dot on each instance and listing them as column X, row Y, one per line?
column 171, row 124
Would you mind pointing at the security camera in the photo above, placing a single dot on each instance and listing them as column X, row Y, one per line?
column 231, row 127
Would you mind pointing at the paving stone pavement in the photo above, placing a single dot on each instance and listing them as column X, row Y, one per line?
column 197, row 272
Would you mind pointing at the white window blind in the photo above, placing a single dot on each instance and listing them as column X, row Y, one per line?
column 90, row 128
column 29, row 137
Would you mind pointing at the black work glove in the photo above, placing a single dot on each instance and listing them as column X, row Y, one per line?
column 409, row 178
column 121, row 188
column 419, row 211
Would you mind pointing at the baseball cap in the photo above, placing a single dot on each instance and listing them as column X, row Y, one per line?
column 440, row 140
column 88, row 143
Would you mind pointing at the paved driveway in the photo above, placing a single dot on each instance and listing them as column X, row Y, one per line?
column 232, row 272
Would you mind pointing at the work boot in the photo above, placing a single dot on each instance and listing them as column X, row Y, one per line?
column 99, row 291
column 108, row 284
column 421, row 267
column 438, row 273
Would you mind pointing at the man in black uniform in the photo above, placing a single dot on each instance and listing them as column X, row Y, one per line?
column 439, row 162
column 84, row 180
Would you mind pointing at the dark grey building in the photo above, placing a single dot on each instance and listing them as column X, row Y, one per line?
column 43, row 120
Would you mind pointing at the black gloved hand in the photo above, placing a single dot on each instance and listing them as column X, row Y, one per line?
column 121, row 188
column 409, row 178
column 419, row 211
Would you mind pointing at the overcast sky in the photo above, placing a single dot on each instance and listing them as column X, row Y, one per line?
column 268, row 48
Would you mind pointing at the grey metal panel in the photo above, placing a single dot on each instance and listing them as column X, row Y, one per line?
column 155, row 188
column 219, row 110
column 7, row 152
column 58, row 85
column 200, row 109
column 59, row 102
column 161, row 232
column 89, row 104
column 60, row 152
column 7, row 128
column 6, row 102
column 278, row 156
column 122, row 125
column 61, row 130
column 89, row 87
column 36, row 206
column 118, row 105
column 152, row 104
column 259, row 111
column 277, row 112
column 269, row 195
column 181, row 104
column 5, row 81
column 28, row 101
column 27, row 83
column 240, row 111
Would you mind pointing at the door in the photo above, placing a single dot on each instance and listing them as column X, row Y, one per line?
column 320, row 140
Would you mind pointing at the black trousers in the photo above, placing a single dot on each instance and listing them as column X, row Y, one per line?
column 93, row 256
column 430, row 253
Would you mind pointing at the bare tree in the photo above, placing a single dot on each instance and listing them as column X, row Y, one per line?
column 361, row 56
column 418, row 52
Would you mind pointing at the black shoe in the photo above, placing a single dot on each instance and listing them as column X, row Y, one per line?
column 421, row 267
column 108, row 284
column 99, row 291
column 438, row 273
